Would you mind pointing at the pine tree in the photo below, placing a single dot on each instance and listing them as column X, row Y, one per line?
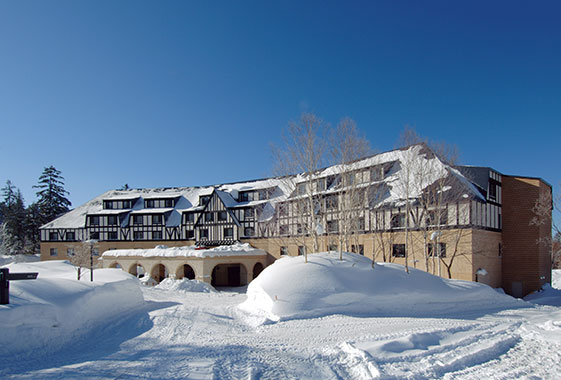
column 52, row 195
column 13, row 219
column 33, row 221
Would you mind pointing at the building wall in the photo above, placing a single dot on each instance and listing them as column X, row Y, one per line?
column 526, row 264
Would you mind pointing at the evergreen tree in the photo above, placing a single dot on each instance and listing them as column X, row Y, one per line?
column 13, row 223
column 52, row 195
column 33, row 220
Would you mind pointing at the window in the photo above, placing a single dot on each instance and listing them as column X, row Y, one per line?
column 332, row 247
column 137, row 219
column 332, row 226
column 301, row 250
column 169, row 203
column 149, row 203
column 190, row 234
column 299, row 228
column 94, row 220
column 398, row 250
column 53, row 236
column 209, row 216
column 249, row 231
column 398, row 220
column 284, row 251
column 301, row 188
column 112, row 235
column 189, row 217
column 70, row 252
column 359, row 224
column 264, row 194
column 112, row 220
column 283, row 209
column 70, row 236
column 331, row 202
column 156, row 235
column 432, row 218
column 126, row 204
column 492, row 191
column 108, row 205
column 321, row 184
column 441, row 251
column 95, row 251
column 157, row 220
column 246, row 196
column 203, row 199
column 138, row 235
column 249, row 213
column 203, row 233
column 358, row 249
column 283, row 229
column 228, row 233
column 332, row 181
column 94, row 235
column 222, row 216
column 54, row 252
column 376, row 173
column 350, row 179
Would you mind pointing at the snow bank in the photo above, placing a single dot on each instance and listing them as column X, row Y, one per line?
column 237, row 249
column 56, row 308
column 185, row 285
column 291, row 289
column 7, row 259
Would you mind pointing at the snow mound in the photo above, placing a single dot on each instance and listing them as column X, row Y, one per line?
column 55, row 309
column 185, row 285
column 291, row 289
column 556, row 278
column 7, row 259
column 547, row 295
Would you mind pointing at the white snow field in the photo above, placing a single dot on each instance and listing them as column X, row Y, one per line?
column 435, row 329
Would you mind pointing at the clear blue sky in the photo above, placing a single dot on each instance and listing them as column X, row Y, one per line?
column 178, row 93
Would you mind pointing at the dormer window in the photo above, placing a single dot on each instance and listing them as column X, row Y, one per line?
column 108, row 205
column 156, row 219
column 112, row 220
column 301, row 188
column 169, row 203
column 189, row 217
column 203, row 200
column 149, row 203
column 377, row 173
column 246, row 196
column 94, row 220
column 127, row 204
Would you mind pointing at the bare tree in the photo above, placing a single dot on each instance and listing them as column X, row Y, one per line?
column 82, row 256
column 304, row 154
column 544, row 208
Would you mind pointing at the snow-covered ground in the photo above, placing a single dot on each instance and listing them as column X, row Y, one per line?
column 206, row 335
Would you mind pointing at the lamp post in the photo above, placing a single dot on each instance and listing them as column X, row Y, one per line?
column 92, row 243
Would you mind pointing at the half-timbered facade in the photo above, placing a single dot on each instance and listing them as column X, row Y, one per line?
column 447, row 220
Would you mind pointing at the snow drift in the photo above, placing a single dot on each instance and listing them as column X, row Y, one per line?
column 291, row 289
column 56, row 308
column 185, row 286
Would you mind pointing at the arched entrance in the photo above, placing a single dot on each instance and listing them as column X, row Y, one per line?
column 185, row 271
column 229, row 275
column 137, row 270
column 159, row 272
column 115, row 265
column 257, row 268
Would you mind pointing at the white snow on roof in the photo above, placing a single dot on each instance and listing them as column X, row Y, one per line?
column 409, row 166
column 191, row 251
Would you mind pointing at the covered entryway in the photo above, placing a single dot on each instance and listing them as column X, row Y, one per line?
column 159, row 272
column 185, row 271
column 115, row 265
column 257, row 268
column 137, row 270
column 229, row 275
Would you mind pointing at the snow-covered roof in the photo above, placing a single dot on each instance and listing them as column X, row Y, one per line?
column 191, row 251
column 415, row 163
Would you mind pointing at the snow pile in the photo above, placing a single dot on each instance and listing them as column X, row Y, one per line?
column 549, row 294
column 556, row 278
column 55, row 308
column 8, row 259
column 237, row 249
column 185, row 285
column 291, row 289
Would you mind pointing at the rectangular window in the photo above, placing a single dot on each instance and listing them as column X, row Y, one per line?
column 149, row 203
column 112, row 235
column 157, row 220
column 332, row 181
column 95, row 251
column 359, row 224
column 209, row 216
column 441, row 251
column 137, row 220
column 126, row 204
column 301, row 250
column 301, row 188
column 332, row 226
column 321, row 184
column 283, row 209
column 54, row 252
column 433, row 218
column 203, row 200
column 70, row 236
column 349, row 179
column 243, row 197
column 331, row 202
column 94, row 220
column 264, row 194
column 222, row 216
column 108, row 205
column 249, row 214
column 284, row 251
column 112, row 220
column 398, row 250
column 203, row 233
column 228, row 233
column 53, row 236
column 249, row 231
column 169, row 203
column 492, row 191
column 283, row 229
column 138, row 235
column 156, row 235
column 70, row 252
column 398, row 220
column 189, row 217
column 94, row 235
column 190, row 234
column 376, row 173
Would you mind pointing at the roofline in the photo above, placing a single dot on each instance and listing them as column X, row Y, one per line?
column 528, row 177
